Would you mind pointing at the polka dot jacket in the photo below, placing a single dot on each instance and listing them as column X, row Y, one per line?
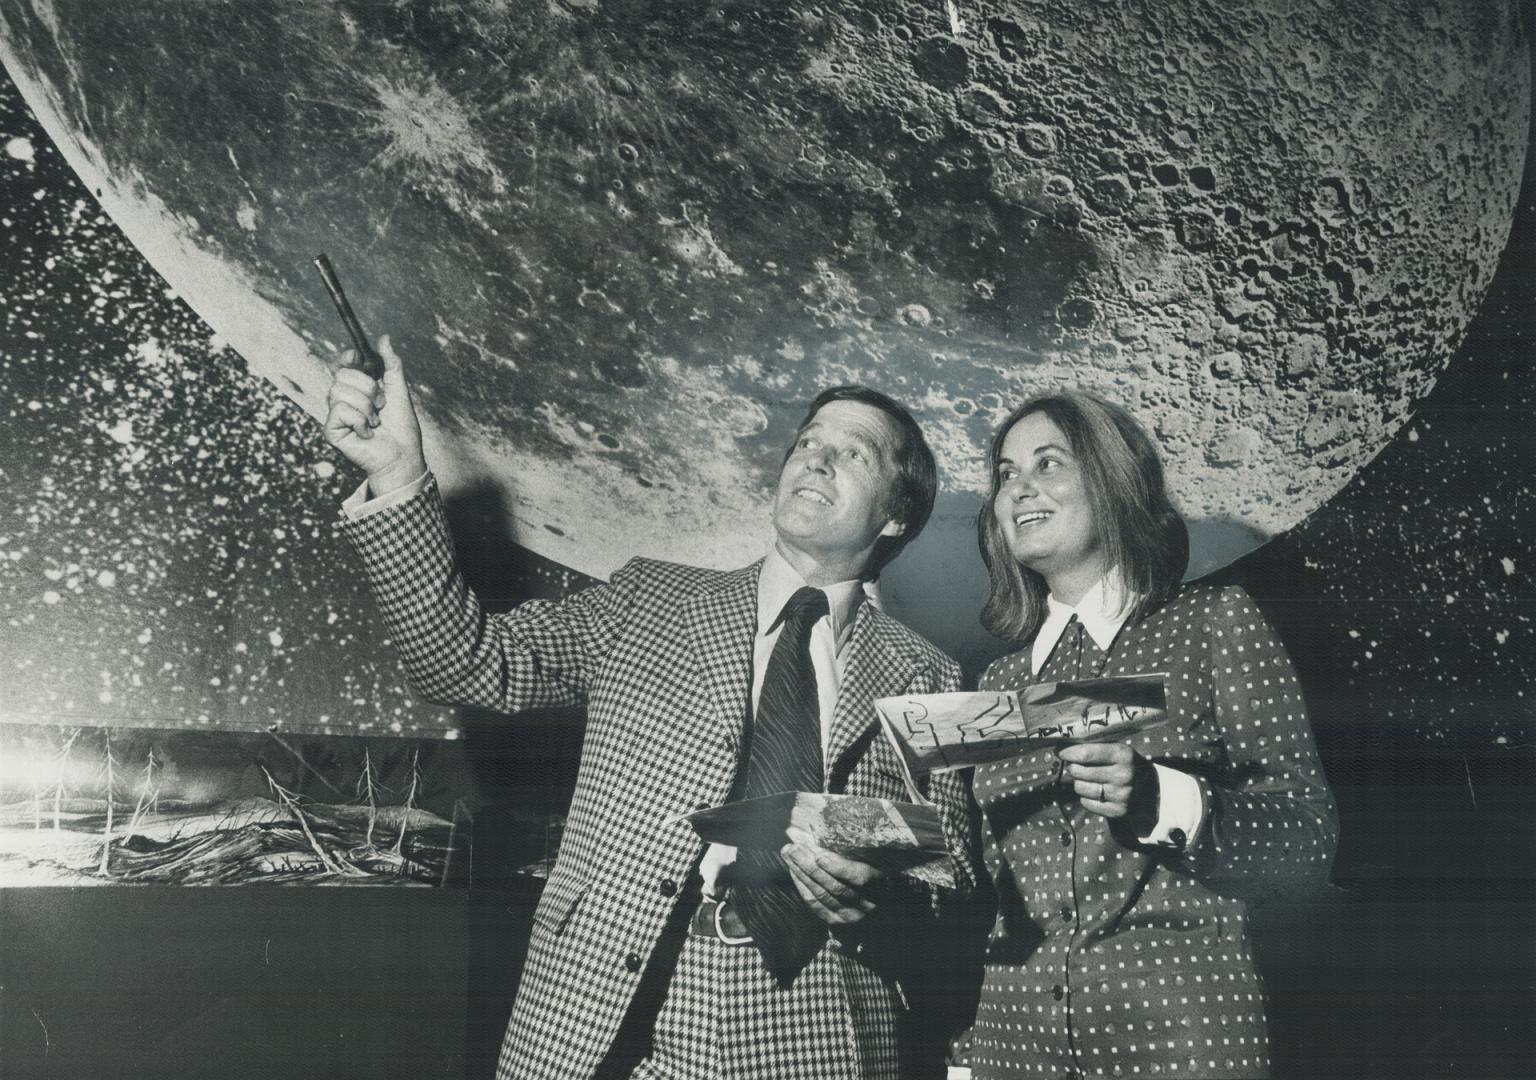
column 1113, row 958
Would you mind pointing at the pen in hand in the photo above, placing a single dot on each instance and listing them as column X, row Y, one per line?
column 365, row 358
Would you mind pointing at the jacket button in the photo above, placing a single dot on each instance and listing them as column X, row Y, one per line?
column 632, row 962
column 1177, row 838
column 1066, row 839
column 1067, row 913
column 668, row 887
column 1057, row 992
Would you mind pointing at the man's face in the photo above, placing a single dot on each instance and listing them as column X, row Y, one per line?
column 836, row 486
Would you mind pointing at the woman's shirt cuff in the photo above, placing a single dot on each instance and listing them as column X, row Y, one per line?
column 1180, row 810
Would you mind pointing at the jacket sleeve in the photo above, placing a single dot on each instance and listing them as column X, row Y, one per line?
column 541, row 654
column 1270, row 825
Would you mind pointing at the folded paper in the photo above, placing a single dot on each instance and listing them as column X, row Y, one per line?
column 935, row 733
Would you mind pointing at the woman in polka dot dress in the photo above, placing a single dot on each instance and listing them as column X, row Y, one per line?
column 1125, row 869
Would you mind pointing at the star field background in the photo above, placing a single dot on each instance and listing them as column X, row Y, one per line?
column 167, row 550
column 167, row 559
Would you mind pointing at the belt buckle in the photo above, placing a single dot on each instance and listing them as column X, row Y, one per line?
column 720, row 930
column 708, row 922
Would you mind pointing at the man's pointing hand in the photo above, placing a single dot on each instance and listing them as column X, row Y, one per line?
column 373, row 423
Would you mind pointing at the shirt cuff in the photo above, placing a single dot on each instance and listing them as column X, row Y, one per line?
column 358, row 505
column 1180, row 810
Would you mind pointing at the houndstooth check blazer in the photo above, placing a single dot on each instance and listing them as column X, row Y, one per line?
column 661, row 659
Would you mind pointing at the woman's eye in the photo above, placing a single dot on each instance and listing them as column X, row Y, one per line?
column 1004, row 475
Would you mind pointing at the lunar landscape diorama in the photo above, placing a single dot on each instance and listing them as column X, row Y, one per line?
column 619, row 247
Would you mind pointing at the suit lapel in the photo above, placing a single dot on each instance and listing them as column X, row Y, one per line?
column 880, row 662
column 721, row 621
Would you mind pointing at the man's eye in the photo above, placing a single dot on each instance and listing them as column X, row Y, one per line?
column 856, row 454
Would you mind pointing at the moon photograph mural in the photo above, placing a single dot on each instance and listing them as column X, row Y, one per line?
column 620, row 245
column 619, row 248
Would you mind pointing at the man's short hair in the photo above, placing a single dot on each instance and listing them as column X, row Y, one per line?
column 917, row 473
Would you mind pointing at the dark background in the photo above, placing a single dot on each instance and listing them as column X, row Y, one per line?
column 1406, row 603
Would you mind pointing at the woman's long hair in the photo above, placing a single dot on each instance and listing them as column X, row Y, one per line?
column 1143, row 537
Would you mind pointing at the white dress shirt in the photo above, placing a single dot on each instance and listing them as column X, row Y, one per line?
column 358, row 505
column 830, row 634
column 1103, row 610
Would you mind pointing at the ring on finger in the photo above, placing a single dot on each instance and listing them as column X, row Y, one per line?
column 1101, row 793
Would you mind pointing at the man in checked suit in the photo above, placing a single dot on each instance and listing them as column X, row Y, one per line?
column 651, row 956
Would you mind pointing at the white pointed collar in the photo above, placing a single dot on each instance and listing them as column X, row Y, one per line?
column 777, row 582
column 1103, row 610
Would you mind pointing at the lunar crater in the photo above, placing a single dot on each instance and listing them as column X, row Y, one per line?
column 593, row 210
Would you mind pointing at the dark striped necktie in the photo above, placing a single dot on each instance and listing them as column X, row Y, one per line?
column 783, row 754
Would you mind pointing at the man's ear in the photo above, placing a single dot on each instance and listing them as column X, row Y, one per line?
column 894, row 528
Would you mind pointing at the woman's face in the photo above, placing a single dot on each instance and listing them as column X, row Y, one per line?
column 1042, row 503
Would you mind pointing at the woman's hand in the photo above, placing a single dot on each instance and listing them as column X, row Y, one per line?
column 1114, row 780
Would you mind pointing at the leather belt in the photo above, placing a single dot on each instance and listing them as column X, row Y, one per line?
column 719, row 920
